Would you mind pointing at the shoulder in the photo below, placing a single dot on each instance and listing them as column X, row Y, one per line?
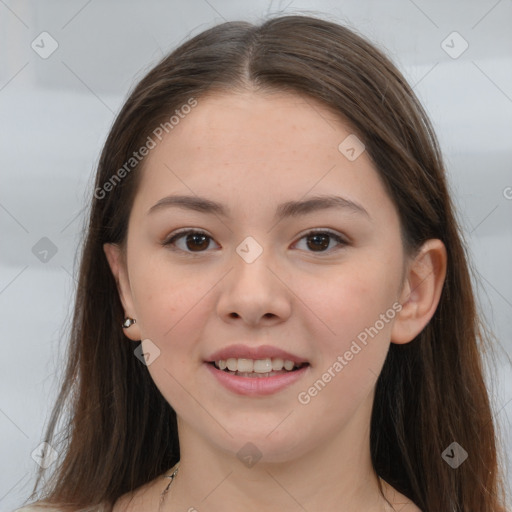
column 37, row 507
column 40, row 506
column 398, row 500
column 146, row 497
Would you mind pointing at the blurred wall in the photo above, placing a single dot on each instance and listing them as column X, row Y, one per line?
column 65, row 69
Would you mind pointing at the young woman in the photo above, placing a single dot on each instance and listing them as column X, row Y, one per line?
column 274, row 309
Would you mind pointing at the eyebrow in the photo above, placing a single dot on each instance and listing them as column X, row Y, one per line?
column 287, row 209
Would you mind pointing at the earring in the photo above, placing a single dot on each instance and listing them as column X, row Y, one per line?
column 128, row 322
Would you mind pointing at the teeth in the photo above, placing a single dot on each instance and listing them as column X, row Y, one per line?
column 262, row 366
column 232, row 364
column 245, row 365
column 288, row 365
column 277, row 364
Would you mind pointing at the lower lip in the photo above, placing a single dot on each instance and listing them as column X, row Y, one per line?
column 256, row 386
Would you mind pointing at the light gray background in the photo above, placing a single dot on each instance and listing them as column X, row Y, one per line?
column 55, row 114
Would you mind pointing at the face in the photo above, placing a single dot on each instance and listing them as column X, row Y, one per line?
column 320, row 281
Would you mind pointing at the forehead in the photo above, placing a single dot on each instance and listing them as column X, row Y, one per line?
column 256, row 148
column 239, row 122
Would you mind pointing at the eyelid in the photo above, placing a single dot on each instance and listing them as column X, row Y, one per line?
column 175, row 235
column 336, row 234
column 342, row 240
column 184, row 231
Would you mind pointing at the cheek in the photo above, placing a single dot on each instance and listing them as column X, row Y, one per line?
column 166, row 297
column 173, row 305
column 352, row 298
column 351, row 340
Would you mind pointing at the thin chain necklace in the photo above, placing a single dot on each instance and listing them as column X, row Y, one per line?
column 174, row 471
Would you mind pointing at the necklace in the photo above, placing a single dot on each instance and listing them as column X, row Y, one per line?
column 174, row 471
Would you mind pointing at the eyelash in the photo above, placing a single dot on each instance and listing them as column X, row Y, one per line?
column 180, row 234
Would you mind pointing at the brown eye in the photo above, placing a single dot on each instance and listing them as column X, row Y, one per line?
column 319, row 241
column 197, row 241
column 189, row 241
column 192, row 241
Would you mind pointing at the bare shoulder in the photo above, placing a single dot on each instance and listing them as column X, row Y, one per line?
column 38, row 507
column 41, row 506
column 146, row 497
column 399, row 502
column 409, row 507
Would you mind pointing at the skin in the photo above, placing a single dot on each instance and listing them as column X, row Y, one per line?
column 252, row 151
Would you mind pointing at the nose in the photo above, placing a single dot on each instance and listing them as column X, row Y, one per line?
column 255, row 293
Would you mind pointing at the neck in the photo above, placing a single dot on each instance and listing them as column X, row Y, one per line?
column 336, row 475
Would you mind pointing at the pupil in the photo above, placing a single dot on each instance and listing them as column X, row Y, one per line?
column 197, row 237
column 322, row 238
column 201, row 241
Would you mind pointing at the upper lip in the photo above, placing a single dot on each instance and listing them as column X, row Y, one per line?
column 240, row 351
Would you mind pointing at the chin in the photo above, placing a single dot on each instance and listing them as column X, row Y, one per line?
column 257, row 446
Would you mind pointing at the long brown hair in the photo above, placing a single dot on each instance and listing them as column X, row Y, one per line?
column 121, row 433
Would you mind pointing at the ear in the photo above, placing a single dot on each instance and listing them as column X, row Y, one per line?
column 421, row 291
column 117, row 263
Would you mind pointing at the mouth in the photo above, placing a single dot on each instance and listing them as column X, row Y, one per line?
column 256, row 371
column 257, row 368
column 257, row 377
